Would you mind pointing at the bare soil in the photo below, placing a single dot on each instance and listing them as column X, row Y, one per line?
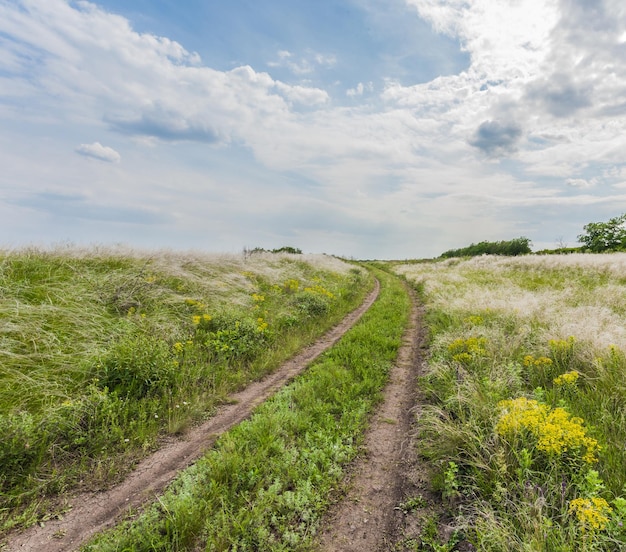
column 90, row 513
column 379, row 511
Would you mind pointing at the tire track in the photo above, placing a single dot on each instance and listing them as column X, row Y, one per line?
column 93, row 512
column 368, row 517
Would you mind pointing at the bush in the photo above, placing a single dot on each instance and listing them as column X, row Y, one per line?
column 231, row 335
column 137, row 366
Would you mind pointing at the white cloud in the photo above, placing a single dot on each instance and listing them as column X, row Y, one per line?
column 91, row 63
column 305, row 64
column 535, row 113
column 581, row 182
column 98, row 151
column 359, row 89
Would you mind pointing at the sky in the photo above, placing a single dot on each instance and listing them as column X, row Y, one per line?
column 369, row 129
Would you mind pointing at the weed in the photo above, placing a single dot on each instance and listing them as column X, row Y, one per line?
column 105, row 351
column 266, row 483
column 540, row 473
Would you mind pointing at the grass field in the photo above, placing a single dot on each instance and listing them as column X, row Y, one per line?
column 103, row 351
column 268, row 481
column 526, row 421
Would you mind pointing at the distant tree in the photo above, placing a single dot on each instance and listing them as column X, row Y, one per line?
column 288, row 249
column 518, row 246
column 605, row 236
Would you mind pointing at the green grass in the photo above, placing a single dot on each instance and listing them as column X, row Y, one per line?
column 104, row 351
column 536, row 330
column 267, row 482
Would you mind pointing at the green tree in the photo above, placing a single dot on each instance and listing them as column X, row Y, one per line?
column 518, row 246
column 605, row 236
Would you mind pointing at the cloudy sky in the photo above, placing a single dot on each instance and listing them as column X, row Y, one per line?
column 364, row 128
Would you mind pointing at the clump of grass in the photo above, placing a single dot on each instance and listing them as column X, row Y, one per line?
column 103, row 351
column 267, row 482
column 524, row 395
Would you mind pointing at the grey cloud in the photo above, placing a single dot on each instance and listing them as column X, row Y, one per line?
column 79, row 207
column 166, row 125
column 560, row 95
column 588, row 15
column 495, row 138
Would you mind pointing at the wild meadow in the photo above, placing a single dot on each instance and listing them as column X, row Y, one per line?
column 105, row 351
column 525, row 421
column 268, row 481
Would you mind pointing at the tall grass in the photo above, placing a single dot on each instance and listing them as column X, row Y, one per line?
column 102, row 351
column 268, row 481
column 527, row 389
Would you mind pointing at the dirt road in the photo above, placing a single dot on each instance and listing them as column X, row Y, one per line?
column 93, row 512
column 370, row 518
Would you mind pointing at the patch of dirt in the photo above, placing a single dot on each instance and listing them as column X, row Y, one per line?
column 387, row 485
column 93, row 512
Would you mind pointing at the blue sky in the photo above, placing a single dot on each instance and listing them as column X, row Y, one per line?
column 364, row 128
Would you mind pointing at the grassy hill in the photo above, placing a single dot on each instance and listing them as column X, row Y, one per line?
column 104, row 351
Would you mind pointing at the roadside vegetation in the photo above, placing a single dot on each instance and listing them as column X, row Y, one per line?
column 267, row 482
column 105, row 351
column 525, row 423
column 518, row 246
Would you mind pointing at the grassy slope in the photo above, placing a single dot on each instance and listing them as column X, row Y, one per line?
column 527, row 475
column 267, row 482
column 103, row 351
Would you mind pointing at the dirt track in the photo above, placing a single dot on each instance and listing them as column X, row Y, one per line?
column 93, row 512
column 370, row 518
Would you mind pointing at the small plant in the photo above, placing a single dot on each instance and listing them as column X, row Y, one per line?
column 451, row 481
column 412, row 504
column 552, row 432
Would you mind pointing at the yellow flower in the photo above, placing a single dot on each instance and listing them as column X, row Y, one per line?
column 179, row 347
column 555, row 431
column 464, row 350
column 474, row 320
column 196, row 319
column 530, row 360
column 318, row 289
column 569, row 378
column 592, row 513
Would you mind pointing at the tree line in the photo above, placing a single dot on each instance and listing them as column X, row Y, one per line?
column 597, row 237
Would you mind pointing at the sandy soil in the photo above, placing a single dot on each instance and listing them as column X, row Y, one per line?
column 371, row 516
column 93, row 512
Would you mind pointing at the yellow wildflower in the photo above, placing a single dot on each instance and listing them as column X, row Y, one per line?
column 530, row 360
column 474, row 320
column 555, row 431
column 319, row 290
column 569, row 378
column 464, row 350
column 592, row 513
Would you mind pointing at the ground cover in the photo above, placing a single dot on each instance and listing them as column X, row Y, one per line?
column 105, row 351
column 268, row 481
column 526, row 422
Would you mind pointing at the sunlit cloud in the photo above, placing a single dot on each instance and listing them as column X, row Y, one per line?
column 100, row 152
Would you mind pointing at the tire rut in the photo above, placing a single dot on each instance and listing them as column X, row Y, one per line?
column 91, row 513
column 369, row 517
